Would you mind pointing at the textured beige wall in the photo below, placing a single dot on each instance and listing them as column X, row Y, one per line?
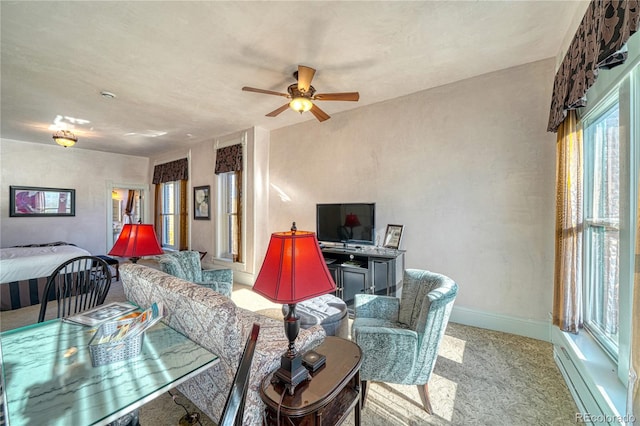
column 468, row 168
column 202, row 167
column 88, row 172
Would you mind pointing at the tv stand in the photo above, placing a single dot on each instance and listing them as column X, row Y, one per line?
column 364, row 269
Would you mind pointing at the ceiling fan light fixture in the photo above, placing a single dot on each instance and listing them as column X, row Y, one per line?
column 300, row 104
column 302, row 93
column 65, row 138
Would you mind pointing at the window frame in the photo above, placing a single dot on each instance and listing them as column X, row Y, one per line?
column 221, row 252
column 594, row 225
column 176, row 215
column 226, row 214
column 623, row 83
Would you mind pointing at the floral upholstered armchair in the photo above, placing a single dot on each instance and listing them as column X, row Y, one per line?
column 399, row 338
column 186, row 265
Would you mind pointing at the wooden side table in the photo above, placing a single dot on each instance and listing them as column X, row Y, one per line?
column 327, row 398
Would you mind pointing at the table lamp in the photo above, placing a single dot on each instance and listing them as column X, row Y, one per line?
column 136, row 240
column 293, row 270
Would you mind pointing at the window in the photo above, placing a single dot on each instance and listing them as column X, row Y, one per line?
column 611, row 162
column 170, row 197
column 229, row 191
column 602, row 224
column 229, row 227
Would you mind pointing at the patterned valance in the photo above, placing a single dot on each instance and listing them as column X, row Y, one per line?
column 169, row 172
column 229, row 159
column 605, row 28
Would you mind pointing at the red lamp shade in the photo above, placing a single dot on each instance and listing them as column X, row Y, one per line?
column 351, row 221
column 135, row 241
column 294, row 269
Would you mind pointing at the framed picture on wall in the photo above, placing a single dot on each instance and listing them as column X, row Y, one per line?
column 201, row 202
column 29, row 201
column 393, row 236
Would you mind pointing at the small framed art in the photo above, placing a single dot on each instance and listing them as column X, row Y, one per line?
column 393, row 236
column 201, row 202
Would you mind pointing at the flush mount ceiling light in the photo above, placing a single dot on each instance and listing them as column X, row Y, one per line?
column 65, row 138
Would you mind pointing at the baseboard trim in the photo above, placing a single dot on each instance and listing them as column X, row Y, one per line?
column 244, row 278
column 540, row 330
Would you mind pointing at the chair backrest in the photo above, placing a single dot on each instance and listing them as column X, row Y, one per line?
column 425, row 306
column 77, row 285
column 419, row 290
column 182, row 264
column 234, row 407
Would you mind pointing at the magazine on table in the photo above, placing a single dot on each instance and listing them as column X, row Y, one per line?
column 136, row 326
column 102, row 313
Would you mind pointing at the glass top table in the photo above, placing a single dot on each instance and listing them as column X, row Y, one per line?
column 42, row 386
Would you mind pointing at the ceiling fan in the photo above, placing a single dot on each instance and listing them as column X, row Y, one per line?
column 303, row 93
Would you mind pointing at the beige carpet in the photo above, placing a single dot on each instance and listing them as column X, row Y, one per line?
column 481, row 377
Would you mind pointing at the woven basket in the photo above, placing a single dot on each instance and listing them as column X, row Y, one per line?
column 105, row 353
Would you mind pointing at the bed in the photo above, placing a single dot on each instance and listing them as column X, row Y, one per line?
column 24, row 271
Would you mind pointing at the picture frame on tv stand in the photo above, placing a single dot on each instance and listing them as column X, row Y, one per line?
column 393, row 236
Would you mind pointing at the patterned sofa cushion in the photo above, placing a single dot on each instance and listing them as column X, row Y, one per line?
column 217, row 324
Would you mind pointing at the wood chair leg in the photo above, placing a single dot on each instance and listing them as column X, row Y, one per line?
column 423, row 390
column 363, row 393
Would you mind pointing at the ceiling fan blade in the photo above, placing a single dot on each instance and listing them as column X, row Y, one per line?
column 346, row 96
column 278, row 111
column 319, row 114
column 305, row 75
column 266, row 92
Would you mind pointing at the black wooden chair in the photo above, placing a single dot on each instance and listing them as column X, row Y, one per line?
column 234, row 407
column 77, row 285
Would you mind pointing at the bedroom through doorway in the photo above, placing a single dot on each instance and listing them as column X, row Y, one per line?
column 126, row 204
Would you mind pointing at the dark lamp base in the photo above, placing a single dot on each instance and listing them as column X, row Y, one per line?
column 291, row 372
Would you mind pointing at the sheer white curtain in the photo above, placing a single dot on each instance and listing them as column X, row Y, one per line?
column 602, row 217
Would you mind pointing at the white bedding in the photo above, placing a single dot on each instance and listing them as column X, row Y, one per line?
column 23, row 263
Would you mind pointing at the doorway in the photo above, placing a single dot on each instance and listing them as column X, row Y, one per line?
column 126, row 205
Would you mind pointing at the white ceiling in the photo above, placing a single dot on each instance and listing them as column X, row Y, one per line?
column 177, row 68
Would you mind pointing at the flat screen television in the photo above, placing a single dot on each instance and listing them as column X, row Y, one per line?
column 346, row 223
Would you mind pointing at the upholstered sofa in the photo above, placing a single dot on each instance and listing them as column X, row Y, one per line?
column 217, row 324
